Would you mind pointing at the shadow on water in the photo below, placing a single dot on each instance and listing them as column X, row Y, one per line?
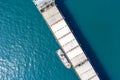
column 81, row 39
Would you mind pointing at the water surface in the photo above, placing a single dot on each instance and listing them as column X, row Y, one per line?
column 27, row 47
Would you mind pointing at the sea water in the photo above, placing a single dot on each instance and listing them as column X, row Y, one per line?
column 27, row 47
column 99, row 22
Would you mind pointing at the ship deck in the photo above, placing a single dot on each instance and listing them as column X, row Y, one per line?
column 68, row 43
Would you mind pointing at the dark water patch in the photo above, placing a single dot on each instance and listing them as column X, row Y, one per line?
column 82, row 41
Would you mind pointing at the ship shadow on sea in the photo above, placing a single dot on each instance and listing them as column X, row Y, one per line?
column 82, row 40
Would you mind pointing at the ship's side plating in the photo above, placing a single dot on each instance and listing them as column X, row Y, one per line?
column 66, row 39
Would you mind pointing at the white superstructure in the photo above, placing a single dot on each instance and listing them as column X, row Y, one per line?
column 66, row 40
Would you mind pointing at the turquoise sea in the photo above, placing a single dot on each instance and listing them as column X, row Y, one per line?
column 27, row 47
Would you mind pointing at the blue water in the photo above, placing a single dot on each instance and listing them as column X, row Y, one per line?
column 27, row 47
column 99, row 22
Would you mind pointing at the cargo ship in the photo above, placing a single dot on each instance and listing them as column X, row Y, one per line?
column 70, row 52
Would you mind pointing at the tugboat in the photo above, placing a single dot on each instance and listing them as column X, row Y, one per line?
column 63, row 59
